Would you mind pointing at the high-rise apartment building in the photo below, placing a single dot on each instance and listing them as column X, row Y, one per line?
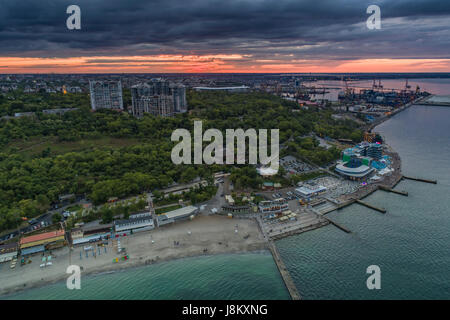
column 106, row 94
column 161, row 105
column 158, row 97
column 179, row 98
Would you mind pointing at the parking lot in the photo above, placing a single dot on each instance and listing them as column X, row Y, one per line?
column 294, row 166
column 310, row 216
column 335, row 187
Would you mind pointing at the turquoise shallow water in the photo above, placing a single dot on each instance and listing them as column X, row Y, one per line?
column 411, row 243
column 230, row 276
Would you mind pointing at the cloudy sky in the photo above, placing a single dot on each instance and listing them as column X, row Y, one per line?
column 224, row 36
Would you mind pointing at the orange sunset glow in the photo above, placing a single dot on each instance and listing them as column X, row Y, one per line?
column 223, row 63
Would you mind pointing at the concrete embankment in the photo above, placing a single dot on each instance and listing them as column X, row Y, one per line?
column 368, row 205
column 339, row 226
column 400, row 109
column 300, row 230
column 295, row 295
column 384, row 188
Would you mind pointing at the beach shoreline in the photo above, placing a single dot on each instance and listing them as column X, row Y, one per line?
column 216, row 234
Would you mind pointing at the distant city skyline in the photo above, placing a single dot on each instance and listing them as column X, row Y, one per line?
column 248, row 36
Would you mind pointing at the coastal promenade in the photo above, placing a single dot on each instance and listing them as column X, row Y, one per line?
column 380, row 120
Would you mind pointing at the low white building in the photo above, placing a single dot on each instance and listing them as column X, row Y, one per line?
column 306, row 192
column 175, row 215
column 134, row 224
column 181, row 213
column 229, row 199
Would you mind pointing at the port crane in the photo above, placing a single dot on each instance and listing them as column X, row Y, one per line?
column 376, row 86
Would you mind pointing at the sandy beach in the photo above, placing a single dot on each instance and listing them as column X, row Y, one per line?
column 208, row 235
column 204, row 235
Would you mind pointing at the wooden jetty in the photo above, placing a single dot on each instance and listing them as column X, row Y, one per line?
column 420, row 179
column 382, row 210
column 295, row 295
column 384, row 188
column 339, row 226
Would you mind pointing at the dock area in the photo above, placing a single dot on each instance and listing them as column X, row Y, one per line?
column 339, row 226
column 435, row 100
column 295, row 295
column 299, row 230
column 402, row 193
column 420, row 179
column 368, row 205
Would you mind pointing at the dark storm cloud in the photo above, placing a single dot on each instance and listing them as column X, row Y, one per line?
column 300, row 29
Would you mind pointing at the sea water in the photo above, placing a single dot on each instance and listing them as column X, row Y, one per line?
column 225, row 276
column 410, row 243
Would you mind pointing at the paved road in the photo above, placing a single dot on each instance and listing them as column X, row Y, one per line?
column 216, row 202
column 46, row 218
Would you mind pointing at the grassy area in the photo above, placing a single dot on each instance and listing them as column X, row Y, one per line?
column 74, row 208
column 35, row 146
column 167, row 209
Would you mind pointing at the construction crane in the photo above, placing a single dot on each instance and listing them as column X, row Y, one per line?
column 417, row 89
column 407, row 86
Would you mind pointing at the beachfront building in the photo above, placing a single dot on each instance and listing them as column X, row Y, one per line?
column 91, row 233
column 236, row 209
column 142, row 214
column 76, row 233
column 41, row 242
column 354, row 169
column 8, row 251
column 273, row 206
column 133, row 225
column 307, row 192
column 177, row 215
column 374, row 151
